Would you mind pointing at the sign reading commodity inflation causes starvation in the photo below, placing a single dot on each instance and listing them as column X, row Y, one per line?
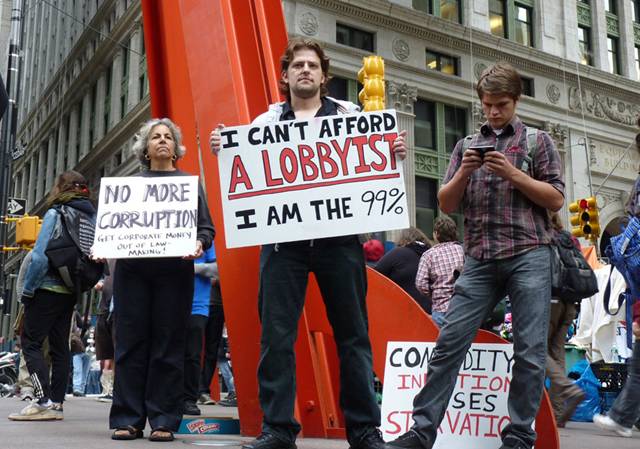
column 146, row 217
column 477, row 411
column 313, row 178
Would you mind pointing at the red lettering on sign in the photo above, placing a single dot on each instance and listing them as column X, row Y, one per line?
column 324, row 151
column 390, row 138
column 306, row 154
column 267, row 171
column 239, row 175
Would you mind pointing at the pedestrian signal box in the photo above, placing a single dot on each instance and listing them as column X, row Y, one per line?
column 27, row 229
column 372, row 95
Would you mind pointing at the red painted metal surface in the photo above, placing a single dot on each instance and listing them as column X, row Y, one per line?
column 217, row 62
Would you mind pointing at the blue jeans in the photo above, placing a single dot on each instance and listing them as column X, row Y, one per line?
column 227, row 375
column 626, row 406
column 341, row 275
column 438, row 318
column 81, row 365
column 526, row 279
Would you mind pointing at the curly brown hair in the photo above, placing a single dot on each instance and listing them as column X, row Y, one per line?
column 300, row 43
column 411, row 235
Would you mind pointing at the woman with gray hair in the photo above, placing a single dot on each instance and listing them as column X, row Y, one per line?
column 152, row 302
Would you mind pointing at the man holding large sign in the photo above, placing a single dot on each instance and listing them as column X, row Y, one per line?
column 505, row 178
column 337, row 262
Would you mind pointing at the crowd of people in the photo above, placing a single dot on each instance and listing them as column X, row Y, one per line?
column 157, row 316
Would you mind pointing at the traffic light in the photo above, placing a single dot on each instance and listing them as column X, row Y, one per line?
column 372, row 95
column 27, row 229
column 586, row 218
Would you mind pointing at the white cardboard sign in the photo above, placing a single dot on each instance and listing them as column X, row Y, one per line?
column 314, row 178
column 477, row 411
column 146, row 217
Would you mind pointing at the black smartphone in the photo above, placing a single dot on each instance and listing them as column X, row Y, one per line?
column 482, row 149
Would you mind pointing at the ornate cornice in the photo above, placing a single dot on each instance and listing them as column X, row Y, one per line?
column 431, row 29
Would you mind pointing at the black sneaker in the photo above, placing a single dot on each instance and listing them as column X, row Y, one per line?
column 268, row 441
column 78, row 394
column 229, row 401
column 372, row 440
column 409, row 440
column 190, row 409
column 513, row 443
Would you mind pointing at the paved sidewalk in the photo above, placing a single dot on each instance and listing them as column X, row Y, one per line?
column 85, row 425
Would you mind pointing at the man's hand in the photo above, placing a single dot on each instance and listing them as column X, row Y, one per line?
column 471, row 161
column 636, row 330
column 400, row 145
column 99, row 286
column 215, row 140
column 499, row 165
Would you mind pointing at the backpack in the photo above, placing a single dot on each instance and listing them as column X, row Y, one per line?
column 624, row 255
column 572, row 279
column 69, row 247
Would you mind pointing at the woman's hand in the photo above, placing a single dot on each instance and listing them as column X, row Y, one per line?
column 197, row 254
column 92, row 257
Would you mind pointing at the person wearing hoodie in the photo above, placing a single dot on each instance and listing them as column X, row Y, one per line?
column 49, row 305
column 401, row 263
column 338, row 265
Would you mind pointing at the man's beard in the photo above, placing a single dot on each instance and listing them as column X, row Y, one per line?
column 305, row 92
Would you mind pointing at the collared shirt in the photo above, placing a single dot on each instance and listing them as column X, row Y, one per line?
column 500, row 221
column 328, row 108
column 435, row 273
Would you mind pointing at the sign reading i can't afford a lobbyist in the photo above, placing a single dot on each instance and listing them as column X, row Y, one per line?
column 313, row 178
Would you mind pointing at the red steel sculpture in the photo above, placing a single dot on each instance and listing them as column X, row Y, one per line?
column 217, row 61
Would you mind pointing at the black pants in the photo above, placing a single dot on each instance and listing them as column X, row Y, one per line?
column 193, row 357
column 212, row 339
column 153, row 300
column 49, row 314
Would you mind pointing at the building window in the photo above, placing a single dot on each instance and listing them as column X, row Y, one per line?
column 497, row 18
column 79, row 132
column 635, row 11
column 527, row 86
column 345, row 89
column 637, row 48
column 447, row 9
column 426, row 203
column 441, row 63
column 455, row 126
column 92, row 116
column 613, row 53
column 143, row 80
column 106, row 118
column 610, row 6
column 584, row 38
column 424, row 124
column 124, row 86
column 354, row 37
column 524, row 25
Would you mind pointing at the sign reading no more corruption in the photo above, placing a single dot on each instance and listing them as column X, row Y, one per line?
column 305, row 179
column 146, row 217
column 477, row 410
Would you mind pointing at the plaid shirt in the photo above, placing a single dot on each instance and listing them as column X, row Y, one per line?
column 435, row 273
column 500, row 221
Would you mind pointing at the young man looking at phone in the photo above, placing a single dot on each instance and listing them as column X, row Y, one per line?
column 507, row 252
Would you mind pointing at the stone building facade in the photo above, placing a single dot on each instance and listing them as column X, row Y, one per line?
column 580, row 66
column 84, row 93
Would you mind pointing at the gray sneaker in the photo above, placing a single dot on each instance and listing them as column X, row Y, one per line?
column 27, row 394
column 36, row 412
column 205, row 399
column 606, row 423
column 230, row 401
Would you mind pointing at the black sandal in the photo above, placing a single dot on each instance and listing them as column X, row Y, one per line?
column 154, row 437
column 132, row 435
